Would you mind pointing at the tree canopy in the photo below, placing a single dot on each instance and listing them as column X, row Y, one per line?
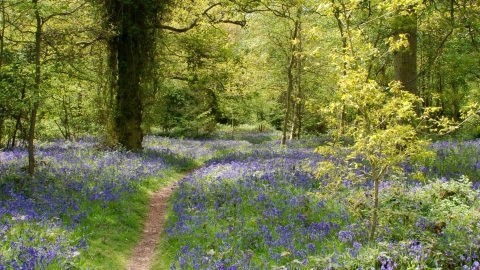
column 119, row 69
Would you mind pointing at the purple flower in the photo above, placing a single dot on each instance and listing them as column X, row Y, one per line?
column 346, row 236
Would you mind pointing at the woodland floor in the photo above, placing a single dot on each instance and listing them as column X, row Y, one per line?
column 144, row 253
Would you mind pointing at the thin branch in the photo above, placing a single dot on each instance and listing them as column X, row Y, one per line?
column 209, row 8
column 62, row 13
column 211, row 19
column 241, row 23
column 180, row 78
column 85, row 44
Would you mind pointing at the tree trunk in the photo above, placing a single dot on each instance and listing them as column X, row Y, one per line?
column 18, row 125
column 295, row 132
column 405, row 59
column 290, row 79
column 36, row 90
column 373, row 220
column 128, row 117
column 2, row 122
column 2, row 34
column 288, row 97
column 344, row 51
column 66, row 120
column 2, row 46
column 455, row 105
column 300, row 119
column 130, row 51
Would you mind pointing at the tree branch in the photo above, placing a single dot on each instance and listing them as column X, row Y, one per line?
column 180, row 30
column 211, row 19
column 62, row 13
column 241, row 23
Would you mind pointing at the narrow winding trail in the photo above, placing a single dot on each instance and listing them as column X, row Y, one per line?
column 144, row 253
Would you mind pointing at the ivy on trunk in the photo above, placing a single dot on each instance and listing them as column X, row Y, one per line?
column 134, row 24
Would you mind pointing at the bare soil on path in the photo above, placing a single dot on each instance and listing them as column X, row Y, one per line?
column 145, row 252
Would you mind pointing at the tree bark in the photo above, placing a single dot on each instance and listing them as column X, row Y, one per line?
column 405, row 59
column 18, row 125
column 290, row 84
column 36, row 90
column 2, row 46
column 295, row 132
column 373, row 220
column 2, row 121
column 344, row 51
column 129, row 52
column 128, row 117
column 455, row 103
column 288, row 96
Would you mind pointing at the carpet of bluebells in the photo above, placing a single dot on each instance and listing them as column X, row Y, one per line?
column 252, row 205
column 263, row 208
column 38, row 216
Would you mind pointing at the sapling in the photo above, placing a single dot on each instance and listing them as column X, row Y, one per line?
column 384, row 134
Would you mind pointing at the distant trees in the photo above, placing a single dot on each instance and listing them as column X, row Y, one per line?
column 27, row 49
column 378, row 88
column 120, row 68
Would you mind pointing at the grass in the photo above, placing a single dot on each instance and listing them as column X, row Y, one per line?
column 113, row 230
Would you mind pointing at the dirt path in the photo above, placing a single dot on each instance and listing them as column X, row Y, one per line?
column 144, row 253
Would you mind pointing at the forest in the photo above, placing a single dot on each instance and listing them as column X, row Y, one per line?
column 293, row 134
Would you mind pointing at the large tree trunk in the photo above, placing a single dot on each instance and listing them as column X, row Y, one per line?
column 36, row 96
column 129, row 51
column 128, row 117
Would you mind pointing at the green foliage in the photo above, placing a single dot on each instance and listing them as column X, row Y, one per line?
column 383, row 134
column 476, row 132
column 430, row 226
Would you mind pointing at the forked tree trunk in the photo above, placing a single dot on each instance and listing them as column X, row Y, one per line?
column 290, row 80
